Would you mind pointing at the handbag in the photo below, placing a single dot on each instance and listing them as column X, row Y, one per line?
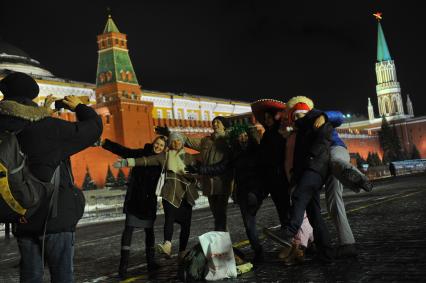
column 161, row 179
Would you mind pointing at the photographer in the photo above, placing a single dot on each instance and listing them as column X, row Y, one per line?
column 48, row 143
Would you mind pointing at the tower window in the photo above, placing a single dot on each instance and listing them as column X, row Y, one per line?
column 123, row 75
column 116, row 41
column 129, row 76
column 107, row 119
column 109, row 43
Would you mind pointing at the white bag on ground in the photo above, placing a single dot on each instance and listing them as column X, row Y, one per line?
column 217, row 248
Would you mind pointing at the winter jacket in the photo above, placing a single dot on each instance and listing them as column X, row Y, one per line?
column 245, row 165
column 271, row 159
column 176, row 186
column 140, row 200
column 336, row 119
column 312, row 147
column 213, row 150
column 48, row 142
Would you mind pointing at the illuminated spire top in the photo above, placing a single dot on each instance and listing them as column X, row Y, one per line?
column 110, row 26
column 382, row 47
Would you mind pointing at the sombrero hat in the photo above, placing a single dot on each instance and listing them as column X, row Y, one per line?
column 259, row 107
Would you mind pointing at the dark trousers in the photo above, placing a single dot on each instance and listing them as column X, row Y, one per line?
column 218, row 206
column 126, row 237
column 182, row 216
column 58, row 252
column 249, row 206
column 279, row 189
column 306, row 197
column 7, row 230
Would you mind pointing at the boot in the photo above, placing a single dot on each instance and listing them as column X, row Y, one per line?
column 285, row 252
column 259, row 256
column 297, row 255
column 165, row 248
column 181, row 256
column 124, row 262
column 150, row 259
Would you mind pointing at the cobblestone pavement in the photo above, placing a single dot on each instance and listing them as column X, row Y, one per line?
column 389, row 225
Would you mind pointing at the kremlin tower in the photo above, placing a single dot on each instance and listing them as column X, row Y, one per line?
column 388, row 89
column 128, row 120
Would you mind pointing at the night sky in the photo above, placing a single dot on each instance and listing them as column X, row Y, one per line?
column 242, row 50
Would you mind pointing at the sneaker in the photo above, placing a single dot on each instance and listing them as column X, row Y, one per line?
column 346, row 251
column 358, row 179
column 165, row 248
column 366, row 185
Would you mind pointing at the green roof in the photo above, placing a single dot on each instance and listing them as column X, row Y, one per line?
column 110, row 26
column 382, row 47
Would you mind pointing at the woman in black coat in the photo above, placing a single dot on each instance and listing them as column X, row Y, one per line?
column 140, row 205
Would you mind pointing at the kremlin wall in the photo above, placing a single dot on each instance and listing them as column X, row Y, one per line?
column 130, row 113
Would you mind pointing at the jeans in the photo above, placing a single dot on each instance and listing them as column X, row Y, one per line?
column 337, row 211
column 218, row 205
column 248, row 212
column 306, row 196
column 340, row 161
column 58, row 253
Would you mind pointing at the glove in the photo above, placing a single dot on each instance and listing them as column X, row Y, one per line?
column 192, row 169
column 129, row 162
column 163, row 131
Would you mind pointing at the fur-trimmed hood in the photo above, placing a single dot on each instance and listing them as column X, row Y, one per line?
column 25, row 112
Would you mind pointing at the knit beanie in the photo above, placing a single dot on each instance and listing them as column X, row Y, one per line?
column 176, row 136
column 19, row 85
column 298, row 108
column 223, row 120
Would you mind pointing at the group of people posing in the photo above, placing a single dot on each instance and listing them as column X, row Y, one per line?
column 297, row 153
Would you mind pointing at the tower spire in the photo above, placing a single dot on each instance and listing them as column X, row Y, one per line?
column 115, row 74
column 370, row 110
column 110, row 25
column 383, row 53
column 409, row 106
column 388, row 89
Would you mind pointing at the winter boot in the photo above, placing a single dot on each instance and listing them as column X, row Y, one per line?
column 259, row 256
column 124, row 262
column 297, row 255
column 150, row 259
column 181, row 256
column 165, row 248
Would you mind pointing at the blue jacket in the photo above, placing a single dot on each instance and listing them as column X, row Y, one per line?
column 336, row 119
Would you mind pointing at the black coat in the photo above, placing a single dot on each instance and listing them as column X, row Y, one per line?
column 272, row 159
column 140, row 200
column 245, row 165
column 47, row 141
column 312, row 148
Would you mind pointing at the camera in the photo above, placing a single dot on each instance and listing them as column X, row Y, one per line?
column 60, row 103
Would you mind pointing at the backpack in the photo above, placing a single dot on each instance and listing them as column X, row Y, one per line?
column 20, row 192
column 194, row 266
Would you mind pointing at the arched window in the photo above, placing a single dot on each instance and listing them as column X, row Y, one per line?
column 395, row 105
column 102, row 78
column 129, row 76
column 123, row 75
column 109, row 76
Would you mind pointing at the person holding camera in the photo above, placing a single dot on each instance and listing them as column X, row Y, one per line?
column 48, row 144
